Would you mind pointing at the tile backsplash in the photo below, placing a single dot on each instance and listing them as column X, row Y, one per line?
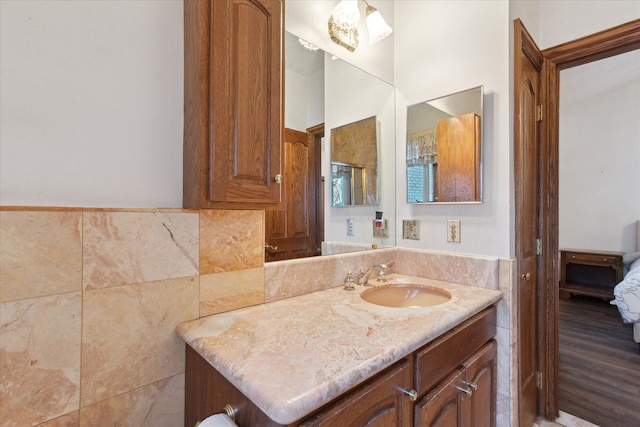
column 90, row 298
column 89, row 302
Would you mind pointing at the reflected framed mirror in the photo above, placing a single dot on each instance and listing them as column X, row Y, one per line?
column 444, row 149
column 354, row 164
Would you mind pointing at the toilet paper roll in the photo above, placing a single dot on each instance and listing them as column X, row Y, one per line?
column 217, row 420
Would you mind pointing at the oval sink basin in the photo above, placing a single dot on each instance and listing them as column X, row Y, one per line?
column 405, row 295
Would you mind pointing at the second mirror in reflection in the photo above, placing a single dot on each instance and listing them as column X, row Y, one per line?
column 444, row 149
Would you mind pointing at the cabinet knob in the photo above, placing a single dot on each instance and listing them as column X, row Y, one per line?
column 604, row 260
column 278, row 179
column 413, row 395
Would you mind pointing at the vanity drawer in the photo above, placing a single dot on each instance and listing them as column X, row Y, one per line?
column 439, row 358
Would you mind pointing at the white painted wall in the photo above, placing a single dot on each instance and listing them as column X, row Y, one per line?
column 91, row 105
column 600, row 154
column 352, row 96
column 456, row 45
column 565, row 20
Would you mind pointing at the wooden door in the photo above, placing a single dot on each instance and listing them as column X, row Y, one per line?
column 528, row 106
column 481, row 374
column 444, row 406
column 290, row 232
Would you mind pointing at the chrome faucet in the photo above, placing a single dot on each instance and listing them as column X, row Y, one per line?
column 363, row 277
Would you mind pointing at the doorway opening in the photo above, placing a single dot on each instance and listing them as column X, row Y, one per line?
column 617, row 40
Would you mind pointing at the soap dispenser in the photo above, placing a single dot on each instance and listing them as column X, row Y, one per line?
column 349, row 282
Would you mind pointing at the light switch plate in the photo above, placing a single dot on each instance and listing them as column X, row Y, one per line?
column 411, row 229
column 453, row 230
column 350, row 231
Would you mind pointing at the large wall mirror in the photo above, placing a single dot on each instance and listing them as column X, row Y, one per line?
column 357, row 152
column 444, row 149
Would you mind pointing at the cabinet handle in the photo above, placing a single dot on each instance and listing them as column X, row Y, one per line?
column 271, row 247
column 413, row 395
column 473, row 386
column 464, row 390
column 526, row 276
column 278, row 179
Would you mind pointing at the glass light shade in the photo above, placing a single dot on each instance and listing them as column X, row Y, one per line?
column 377, row 27
column 346, row 14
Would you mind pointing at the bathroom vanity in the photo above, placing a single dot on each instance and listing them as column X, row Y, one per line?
column 331, row 358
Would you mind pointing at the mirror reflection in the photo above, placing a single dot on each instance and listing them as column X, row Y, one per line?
column 322, row 91
column 444, row 149
column 354, row 163
column 348, row 184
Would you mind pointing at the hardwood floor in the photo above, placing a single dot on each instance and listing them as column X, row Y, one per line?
column 599, row 364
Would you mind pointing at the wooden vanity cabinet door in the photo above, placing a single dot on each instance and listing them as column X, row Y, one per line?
column 481, row 371
column 444, row 405
column 233, row 104
column 447, row 405
column 378, row 402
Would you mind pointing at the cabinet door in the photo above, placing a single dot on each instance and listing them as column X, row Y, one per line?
column 444, row 406
column 458, row 159
column 233, row 100
column 376, row 403
column 480, row 372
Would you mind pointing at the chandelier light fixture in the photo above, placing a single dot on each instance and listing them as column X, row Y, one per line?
column 346, row 14
column 377, row 27
column 345, row 18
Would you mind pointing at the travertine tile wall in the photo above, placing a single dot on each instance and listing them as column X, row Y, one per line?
column 89, row 301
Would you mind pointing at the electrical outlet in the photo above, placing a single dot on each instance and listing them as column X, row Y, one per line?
column 381, row 230
column 350, row 222
column 411, row 229
column 453, row 230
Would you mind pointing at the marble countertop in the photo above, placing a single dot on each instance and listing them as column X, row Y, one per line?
column 294, row 355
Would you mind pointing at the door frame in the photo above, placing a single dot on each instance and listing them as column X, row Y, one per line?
column 620, row 39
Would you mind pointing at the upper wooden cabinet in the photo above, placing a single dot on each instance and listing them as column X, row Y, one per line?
column 459, row 159
column 232, row 103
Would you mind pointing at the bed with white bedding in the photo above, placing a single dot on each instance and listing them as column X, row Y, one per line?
column 627, row 292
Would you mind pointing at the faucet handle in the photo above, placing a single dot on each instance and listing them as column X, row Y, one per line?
column 349, row 282
column 382, row 275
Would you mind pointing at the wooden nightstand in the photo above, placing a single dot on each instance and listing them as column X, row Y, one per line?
column 593, row 273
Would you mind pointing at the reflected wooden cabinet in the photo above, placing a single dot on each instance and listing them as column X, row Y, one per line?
column 458, row 159
column 233, row 103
